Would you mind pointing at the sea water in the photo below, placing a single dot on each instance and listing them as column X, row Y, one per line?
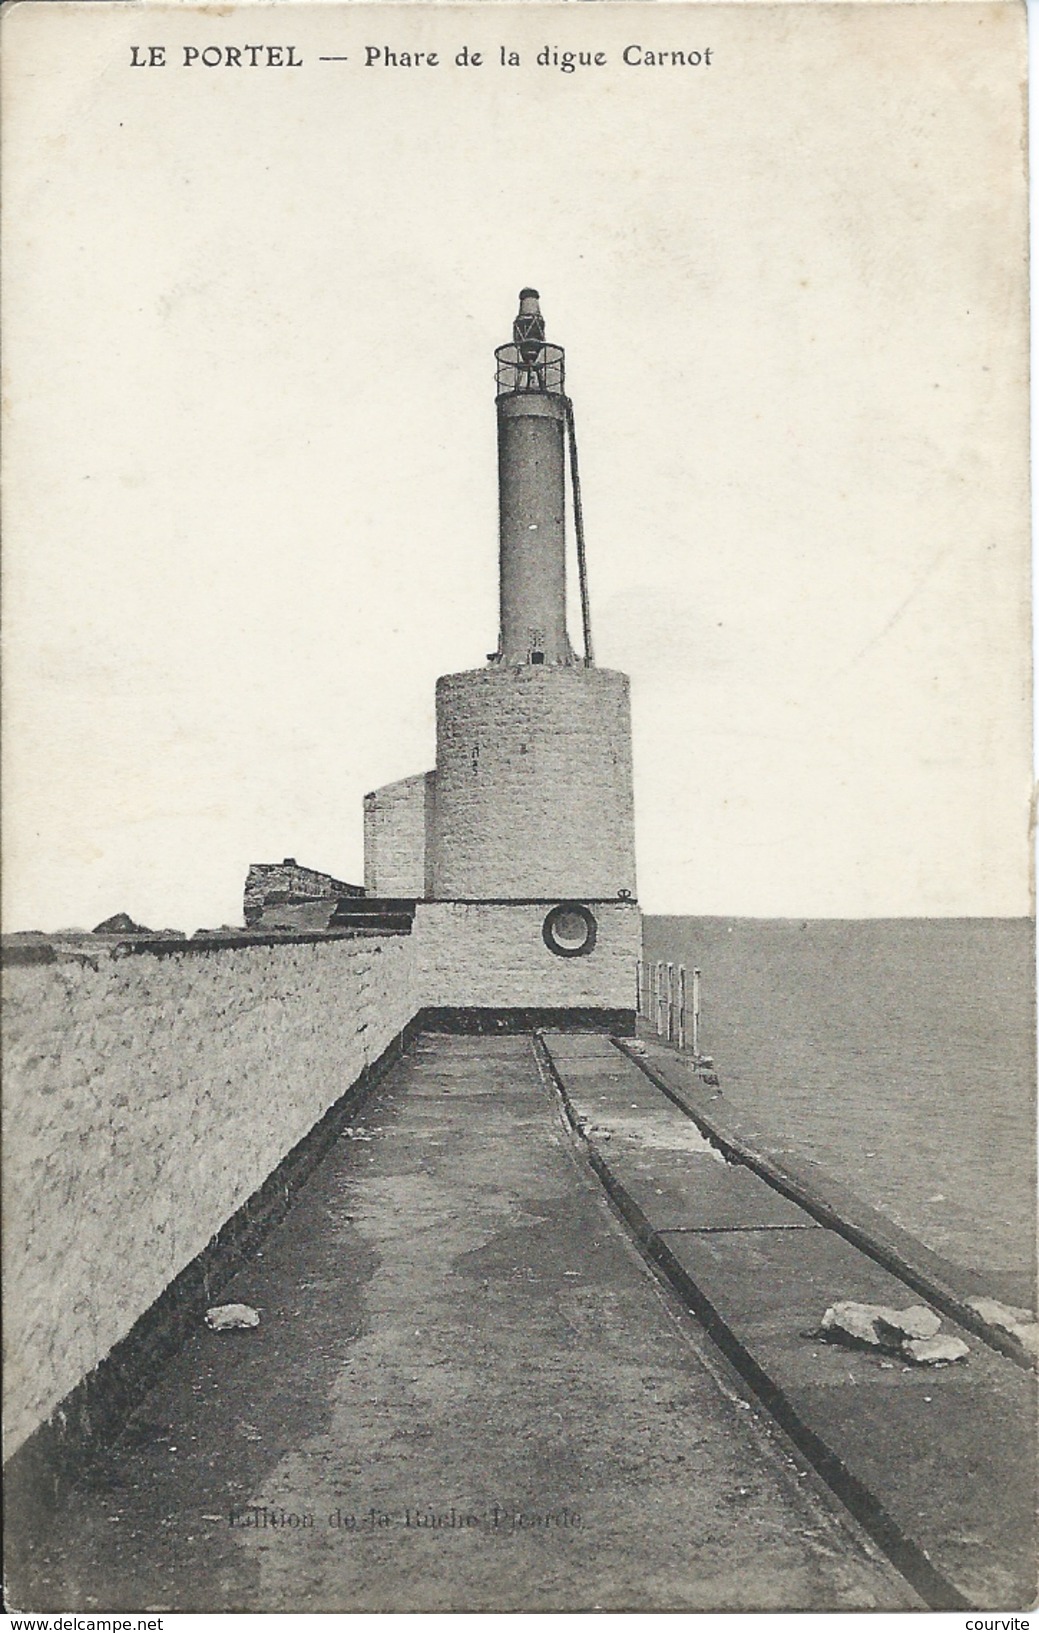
column 897, row 1055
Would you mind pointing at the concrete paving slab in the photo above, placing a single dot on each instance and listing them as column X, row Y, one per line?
column 598, row 1093
column 677, row 1192
column 584, row 1046
column 611, row 1079
column 945, row 1451
column 671, row 1173
column 466, row 1392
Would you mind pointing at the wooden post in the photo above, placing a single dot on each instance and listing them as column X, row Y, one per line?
column 696, row 1012
column 660, row 999
column 670, row 1003
column 681, row 1006
column 638, row 987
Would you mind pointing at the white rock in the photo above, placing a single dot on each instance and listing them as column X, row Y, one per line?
column 851, row 1320
column 915, row 1322
column 224, row 1317
column 880, row 1324
column 932, row 1351
column 1007, row 1316
column 1028, row 1335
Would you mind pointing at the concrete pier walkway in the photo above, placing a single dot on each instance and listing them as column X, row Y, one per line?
column 935, row 1461
column 466, row 1392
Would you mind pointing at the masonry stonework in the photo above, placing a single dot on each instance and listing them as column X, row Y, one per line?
column 534, row 784
column 492, row 955
column 398, row 824
column 152, row 1096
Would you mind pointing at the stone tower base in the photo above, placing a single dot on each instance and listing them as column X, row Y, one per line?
column 527, row 957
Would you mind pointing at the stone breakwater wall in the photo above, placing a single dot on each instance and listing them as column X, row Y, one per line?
column 147, row 1098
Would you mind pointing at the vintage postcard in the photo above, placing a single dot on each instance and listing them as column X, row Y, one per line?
column 518, row 930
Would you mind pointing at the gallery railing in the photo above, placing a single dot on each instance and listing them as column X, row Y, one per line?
column 530, row 367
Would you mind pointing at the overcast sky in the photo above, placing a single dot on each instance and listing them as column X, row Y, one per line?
column 252, row 496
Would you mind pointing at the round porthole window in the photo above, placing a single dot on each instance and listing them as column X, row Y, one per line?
column 569, row 930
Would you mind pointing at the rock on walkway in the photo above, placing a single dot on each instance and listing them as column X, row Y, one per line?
column 466, row 1392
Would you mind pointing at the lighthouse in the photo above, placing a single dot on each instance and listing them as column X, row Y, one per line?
column 519, row 848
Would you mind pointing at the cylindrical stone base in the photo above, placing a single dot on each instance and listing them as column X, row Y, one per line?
column 533, row 785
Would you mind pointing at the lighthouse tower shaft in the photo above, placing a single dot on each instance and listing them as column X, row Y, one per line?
column 532, row 422
column 531, row 487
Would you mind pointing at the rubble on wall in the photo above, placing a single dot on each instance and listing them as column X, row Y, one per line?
column 110, row 939
column 121, row 924
column 290, row 896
